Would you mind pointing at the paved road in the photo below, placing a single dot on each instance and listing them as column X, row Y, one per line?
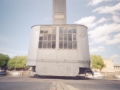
column 27, row 83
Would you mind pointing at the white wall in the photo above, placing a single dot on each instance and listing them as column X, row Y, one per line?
column 33, row 46
column 109, row 66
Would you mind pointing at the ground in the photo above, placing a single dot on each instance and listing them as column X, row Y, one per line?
column 30, row 83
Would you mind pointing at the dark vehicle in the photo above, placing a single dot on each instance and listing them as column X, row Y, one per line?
column 3, row 72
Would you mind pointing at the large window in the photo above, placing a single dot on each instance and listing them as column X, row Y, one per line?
column 67, row 38
column 47, row 38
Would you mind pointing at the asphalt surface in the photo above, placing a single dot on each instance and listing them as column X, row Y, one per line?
column 30, row 83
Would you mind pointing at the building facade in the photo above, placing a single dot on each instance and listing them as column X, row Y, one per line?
column 59, row 49
column 117, row 68
column 109, row 66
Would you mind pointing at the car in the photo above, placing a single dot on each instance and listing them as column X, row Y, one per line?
column 3, row 72
column 96, row 75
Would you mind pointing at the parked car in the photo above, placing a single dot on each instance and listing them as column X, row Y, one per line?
column 3, row 72
column 117, row 76
column 96, row 75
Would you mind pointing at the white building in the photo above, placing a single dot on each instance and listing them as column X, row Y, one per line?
column 109, row 66
column 59, row 49
column 117, row 68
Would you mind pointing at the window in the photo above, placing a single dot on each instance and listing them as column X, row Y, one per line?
column 61, row 37
column 44, row 44
column 74, row 36
column 69, row 45
column 47, row 37
column 74, row 44
column 65, row 45
column 49, row 44
column 61, row 44
column 40, row 44
column 67, row 38
column 53, row 44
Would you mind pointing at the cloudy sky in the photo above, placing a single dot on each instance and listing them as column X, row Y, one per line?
column 102, row 17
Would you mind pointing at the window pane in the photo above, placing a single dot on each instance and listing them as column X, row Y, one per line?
column 74, row 44
column 44, row 44
column 61, row 30
column 49, row 37
column 54, row 37
column 46, row 31
column 53, row 44
column 69, row 31
column 74, row 30
column 65, row 31
column 40, row 44
column 65, row 45
column 70, row 45
column 65, row 37
column 70, row 37
column 60, row 44
column 74, row 36
column 41, row 38
column 49, row 44
column 45, row 37
column 60, row 36
column 41, row 31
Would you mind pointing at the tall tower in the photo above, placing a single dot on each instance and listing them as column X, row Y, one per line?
column 59, row 12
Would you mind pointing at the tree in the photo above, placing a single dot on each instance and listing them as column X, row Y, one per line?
column 4, row 60
column 97, row 62
column 17, row 62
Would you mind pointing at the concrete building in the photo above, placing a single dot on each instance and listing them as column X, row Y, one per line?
column 109, row 66
column 117, row 68
column 59, row 49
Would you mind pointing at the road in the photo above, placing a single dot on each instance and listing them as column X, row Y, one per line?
column 30, row 83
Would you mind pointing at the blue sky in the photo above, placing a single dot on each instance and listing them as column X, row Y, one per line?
column 101, row 16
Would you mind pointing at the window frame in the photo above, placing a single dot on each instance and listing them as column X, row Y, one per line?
column 45, row 34
column 71, row 37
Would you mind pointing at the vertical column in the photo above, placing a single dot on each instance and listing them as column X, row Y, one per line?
column 57, row 37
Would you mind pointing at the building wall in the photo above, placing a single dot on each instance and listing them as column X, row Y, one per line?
column 117, row 68
column 64, row 61
column 109, row 66
column 33, row 46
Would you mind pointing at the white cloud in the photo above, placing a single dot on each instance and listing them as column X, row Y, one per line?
column 91, row 43
column 101, row 33
column 115, row 56
column 90, row 21
column 98, row 49
column 119, row 46
column 115, row 40
column 103, row 19
column 101, row 39
column 95, row 2
column 108, row 9
column 116, row 18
